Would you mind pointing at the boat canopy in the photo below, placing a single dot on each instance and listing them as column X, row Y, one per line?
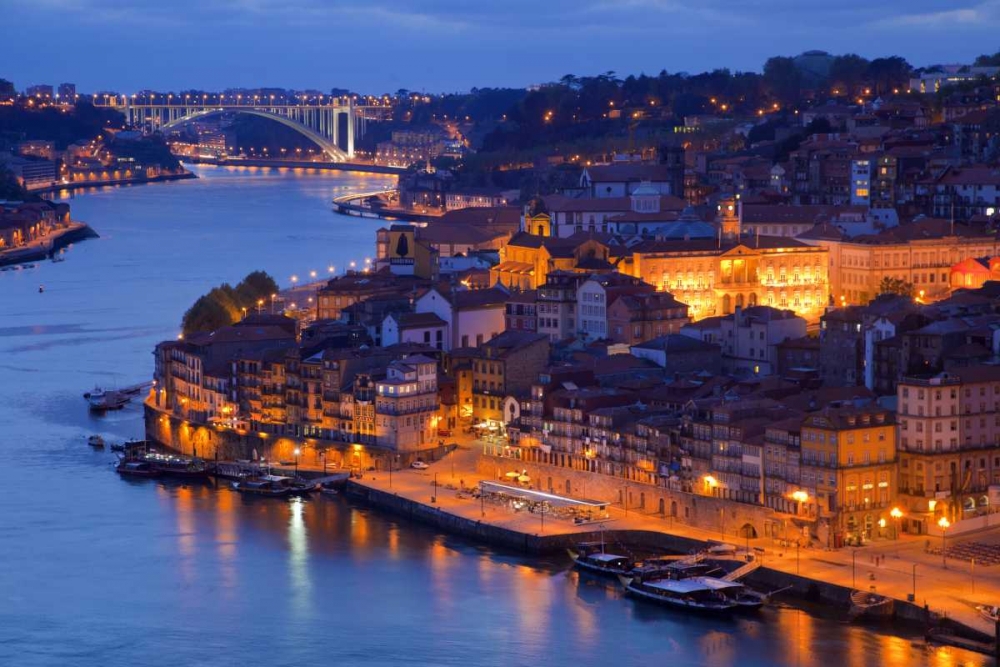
column 692, row 585
column 605, row 558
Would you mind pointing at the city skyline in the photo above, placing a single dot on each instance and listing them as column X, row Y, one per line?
column 215, row 45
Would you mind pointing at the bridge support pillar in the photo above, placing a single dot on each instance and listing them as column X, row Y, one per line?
column 350, row 127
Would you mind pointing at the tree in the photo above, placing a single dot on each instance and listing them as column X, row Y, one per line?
column 888, row 74
column 848, row 72
column 898, row 286
column 224, row 305
column 782, row 79
column 987, row 60
column 403, row 246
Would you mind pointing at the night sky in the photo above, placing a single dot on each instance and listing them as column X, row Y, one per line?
column 379, row 46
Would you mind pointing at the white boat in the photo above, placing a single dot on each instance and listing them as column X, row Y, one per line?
column 102, row 399
column 96, row 441
column 706, row 594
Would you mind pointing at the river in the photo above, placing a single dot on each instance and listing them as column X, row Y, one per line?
column 95, row 570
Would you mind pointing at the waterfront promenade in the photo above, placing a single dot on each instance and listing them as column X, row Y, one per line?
column 951, row 591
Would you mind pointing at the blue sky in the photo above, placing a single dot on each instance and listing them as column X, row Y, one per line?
column 451, row 45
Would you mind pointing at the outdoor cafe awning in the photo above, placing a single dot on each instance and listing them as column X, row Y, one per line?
column 540, row 496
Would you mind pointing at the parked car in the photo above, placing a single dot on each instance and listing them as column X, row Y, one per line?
column 419, row 465
column 444, row 432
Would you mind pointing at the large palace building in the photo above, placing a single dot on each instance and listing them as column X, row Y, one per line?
column 713, row 268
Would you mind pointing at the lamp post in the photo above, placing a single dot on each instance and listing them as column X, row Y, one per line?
column 944, row 524
column 896, row 514
column 297, row 452
column 914, row 582
column 434, row 499
column 854, row 568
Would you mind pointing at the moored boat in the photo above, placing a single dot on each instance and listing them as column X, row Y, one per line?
column 591, row 556
column 705, row 594
column 127, row 468
column 180, row 468
column 96, row 441
column 104, row 399
column 272, row 486
column 869, row 605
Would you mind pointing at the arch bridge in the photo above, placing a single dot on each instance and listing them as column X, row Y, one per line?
column 319, row 122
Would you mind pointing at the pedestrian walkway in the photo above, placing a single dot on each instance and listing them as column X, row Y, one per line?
column 897, row 568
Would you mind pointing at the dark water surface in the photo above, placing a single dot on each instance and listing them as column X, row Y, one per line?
column 95, row 570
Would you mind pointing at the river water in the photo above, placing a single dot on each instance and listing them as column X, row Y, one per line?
column 95, row 570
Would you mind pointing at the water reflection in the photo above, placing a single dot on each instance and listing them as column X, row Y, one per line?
column 298, row 556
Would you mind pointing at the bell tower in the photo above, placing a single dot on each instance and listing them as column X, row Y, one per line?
column 729, row 214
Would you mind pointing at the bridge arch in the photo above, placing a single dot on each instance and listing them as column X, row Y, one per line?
column 334, row 152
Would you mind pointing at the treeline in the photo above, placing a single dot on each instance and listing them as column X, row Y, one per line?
column 82, row 122
column 224, row 304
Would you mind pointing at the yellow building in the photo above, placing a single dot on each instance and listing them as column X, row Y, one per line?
column 921, row 253
column 848, row 469
column 711, row 268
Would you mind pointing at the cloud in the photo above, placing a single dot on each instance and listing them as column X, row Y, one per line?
column 982, row 15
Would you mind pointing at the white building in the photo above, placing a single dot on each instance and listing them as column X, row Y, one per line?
column 472, row 316
column 593, row 297
column 423, row 328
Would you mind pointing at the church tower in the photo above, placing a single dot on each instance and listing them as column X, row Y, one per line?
column 730, row 212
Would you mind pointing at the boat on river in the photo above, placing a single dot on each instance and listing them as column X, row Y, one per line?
column 180, row 468
column 271, row 486
column 702, row 594
column 101, row 400
column 869, row 605
column 592, row 557
column 127, row 468
column 96, row 441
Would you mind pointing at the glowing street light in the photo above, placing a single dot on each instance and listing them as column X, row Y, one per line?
column 944, row 524
column 896, row 514
column 297, row 452
column 312, row 274
column 295, row 279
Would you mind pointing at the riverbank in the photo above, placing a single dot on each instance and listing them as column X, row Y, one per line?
column 82, row 185
column 298, row 164
column 45, row 247
column 941, row 598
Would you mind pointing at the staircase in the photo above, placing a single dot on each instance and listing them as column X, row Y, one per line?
column 742, row 571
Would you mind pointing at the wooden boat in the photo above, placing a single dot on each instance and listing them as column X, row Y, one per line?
column 136, row 469
column 703, row 594
column 871, row 606
column 96, row 441
column 592, row 557
column 271, row 486
column 118, row 447
column 180, row 468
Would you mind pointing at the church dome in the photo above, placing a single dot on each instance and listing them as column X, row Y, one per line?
column 687, row 226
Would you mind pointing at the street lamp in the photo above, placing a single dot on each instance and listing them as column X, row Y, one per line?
column 297, row 452
column 944, row 524
column 896, row 514
column 711, row 483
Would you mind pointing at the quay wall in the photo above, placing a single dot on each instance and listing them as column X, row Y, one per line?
column 82, row 185
column 732, row 521
column 58, row 240
column 498, row 536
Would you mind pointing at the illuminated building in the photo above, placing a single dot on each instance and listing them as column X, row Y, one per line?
column 920, row 253
column 949, row 429
column 715, row 275
column 849, row 467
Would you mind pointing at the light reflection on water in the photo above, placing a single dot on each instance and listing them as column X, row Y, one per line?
column 95, row 570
